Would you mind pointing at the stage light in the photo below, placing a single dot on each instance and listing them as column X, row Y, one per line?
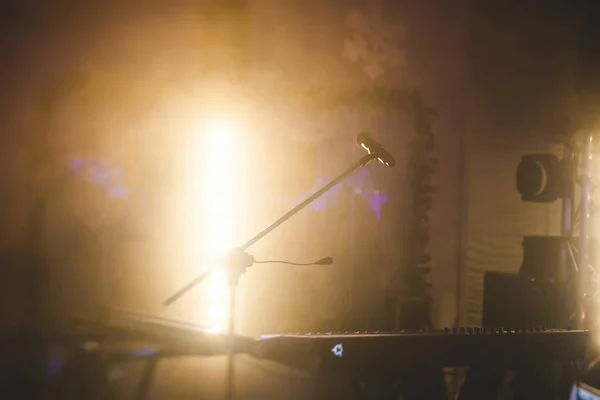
column 217, row 195
column 541, row 178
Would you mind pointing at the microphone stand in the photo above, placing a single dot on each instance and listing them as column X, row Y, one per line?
column 238, row 261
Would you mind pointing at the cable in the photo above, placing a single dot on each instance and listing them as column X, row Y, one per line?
column 322, row 261
column 280, row 262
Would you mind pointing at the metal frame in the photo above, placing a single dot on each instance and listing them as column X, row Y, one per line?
column 584, row 228
column 576, row 220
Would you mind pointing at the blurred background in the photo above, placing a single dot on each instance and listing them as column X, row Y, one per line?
column 162, row 135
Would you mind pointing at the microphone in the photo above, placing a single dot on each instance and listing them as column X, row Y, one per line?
column 366, row 141
column 322, row 261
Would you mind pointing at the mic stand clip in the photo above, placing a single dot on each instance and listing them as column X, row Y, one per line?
column 235, row 264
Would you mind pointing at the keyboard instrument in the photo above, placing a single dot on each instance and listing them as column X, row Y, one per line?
column 459, row 347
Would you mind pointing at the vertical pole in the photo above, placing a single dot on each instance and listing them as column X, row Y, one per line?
column 231, row 359
column 567, row 201
column 351, row 272
column 566, row 228
column 463, row 199
column 584, row 229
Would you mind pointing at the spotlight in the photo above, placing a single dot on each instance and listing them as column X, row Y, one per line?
column 541, row 178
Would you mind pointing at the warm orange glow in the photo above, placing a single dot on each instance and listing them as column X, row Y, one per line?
column 217, row 194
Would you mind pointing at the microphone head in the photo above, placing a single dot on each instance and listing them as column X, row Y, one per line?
column 366, row 141
column 363, row 139
column 387, row 161
column 325, row 261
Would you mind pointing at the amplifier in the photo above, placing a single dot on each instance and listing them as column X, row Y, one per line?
column 512, row 301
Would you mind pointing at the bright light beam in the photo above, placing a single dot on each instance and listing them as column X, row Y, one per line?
column 217, row 194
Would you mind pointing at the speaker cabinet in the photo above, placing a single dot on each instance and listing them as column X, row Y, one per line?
column 516, row 302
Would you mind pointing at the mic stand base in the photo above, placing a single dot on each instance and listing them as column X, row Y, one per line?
column 235, row 264
column 231, row 357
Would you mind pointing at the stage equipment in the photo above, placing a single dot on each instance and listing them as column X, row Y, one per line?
column 369, row 352
column 90, row 348
column 542, row 292
column 237, row 261
column 397, row 358
column 360, row 362
column 583, row 283
column 512, row 301
column 366, row 141
column 544, row 258
column 541, row 178
column 544, row 178
column 581, row 391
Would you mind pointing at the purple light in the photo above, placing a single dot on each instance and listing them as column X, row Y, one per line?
column 117, row 192
column 376, row 205
column 77, row 164
column 54, row 365
column 110, row 179
column 104, row 176
column 144, row 353
column 360, row 184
